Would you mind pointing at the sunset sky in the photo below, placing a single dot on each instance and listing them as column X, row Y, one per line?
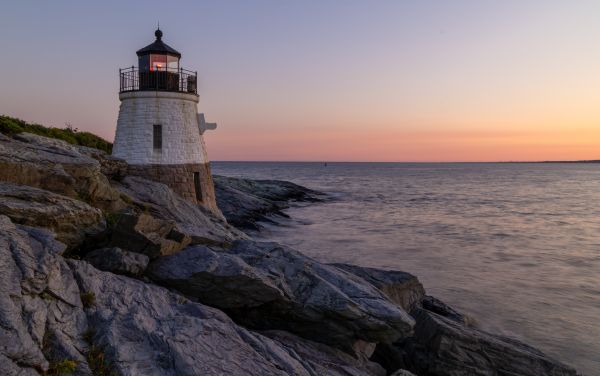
column 328, row 80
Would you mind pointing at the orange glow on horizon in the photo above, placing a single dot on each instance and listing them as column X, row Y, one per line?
column 381, row 144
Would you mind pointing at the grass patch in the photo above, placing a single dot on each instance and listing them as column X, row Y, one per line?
column 97, row 361
column 96, row 358
column 64, row 367
column 11, row 126
column 88, row 299
column 112, row 219
column 126, row 198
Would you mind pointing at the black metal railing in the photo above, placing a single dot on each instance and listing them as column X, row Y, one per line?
column 179, row 80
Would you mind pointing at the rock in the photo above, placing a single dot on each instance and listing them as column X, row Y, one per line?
column 401, row 288
column 270, row 286
column 45, row 239
column 56, row 166
column 216, row 278
column 71, row 220
column 325, row 360
column 142, row 233
column 113, row 168
column 244, row 201
column 435, row 305
column 41, row 316
column 242, row 209
column 115, row 260
column 274, row 190
column 143, row 329
column 441, row 346
column 193, row 220
column 405, row 290
column 402, row 372
column 130, row 327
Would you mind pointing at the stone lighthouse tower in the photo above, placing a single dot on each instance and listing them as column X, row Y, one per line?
column 159, row 129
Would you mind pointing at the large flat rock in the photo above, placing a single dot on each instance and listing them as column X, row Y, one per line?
column 244, row 202
column 70, row 219
column 444, row 347
column 273, row 190
column 41, row 315
column 147, row 330
column 193, row 220
column 270, row 286
column 56, row 166
column 402, row 288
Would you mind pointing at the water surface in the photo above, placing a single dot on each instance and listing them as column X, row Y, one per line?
column 516, row 246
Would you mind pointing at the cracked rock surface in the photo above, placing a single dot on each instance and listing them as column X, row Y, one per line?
column 270, row 286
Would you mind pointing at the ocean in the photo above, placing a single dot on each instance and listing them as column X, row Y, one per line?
column 516, row 246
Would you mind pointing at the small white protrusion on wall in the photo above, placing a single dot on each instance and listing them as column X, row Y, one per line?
column 203, row 125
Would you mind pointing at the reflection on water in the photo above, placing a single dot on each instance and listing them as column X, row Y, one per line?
column 517, row 246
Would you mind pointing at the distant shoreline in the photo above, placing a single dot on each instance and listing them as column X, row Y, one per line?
column 590, row 161
column 333, row 162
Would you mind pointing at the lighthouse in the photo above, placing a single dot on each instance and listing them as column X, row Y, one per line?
column 159, row 130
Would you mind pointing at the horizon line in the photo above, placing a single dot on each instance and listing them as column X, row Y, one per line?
column 423, row 162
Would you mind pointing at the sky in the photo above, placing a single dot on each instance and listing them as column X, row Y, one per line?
column 327, row 80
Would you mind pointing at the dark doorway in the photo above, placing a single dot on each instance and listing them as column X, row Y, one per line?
column 197, row 186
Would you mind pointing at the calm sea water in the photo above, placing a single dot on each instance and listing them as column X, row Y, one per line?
column 516, row 246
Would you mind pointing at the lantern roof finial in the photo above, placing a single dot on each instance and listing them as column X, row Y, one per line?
column 158, row 47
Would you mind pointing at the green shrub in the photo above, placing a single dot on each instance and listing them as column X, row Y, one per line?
column 11, row 126
column 64, row 367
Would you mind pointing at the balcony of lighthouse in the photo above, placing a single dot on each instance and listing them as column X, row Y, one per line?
column 158, row 78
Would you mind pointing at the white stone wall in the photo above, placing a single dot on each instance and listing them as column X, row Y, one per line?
column 177, row 113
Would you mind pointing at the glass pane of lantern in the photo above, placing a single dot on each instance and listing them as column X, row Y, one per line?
column 158, row 62
column 144, row 63
column 173, row 63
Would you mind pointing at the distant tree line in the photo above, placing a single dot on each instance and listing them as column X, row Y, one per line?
column 11, row 126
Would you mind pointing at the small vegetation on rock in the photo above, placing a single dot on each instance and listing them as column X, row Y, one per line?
column 64, row 367
column 97, row 362
column 88, row 299
column 11, row 126
column 96, row 358
column 112, row 219
column 126, row 198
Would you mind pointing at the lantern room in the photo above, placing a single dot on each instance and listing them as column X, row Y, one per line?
column 158, row 69
column 158, row 56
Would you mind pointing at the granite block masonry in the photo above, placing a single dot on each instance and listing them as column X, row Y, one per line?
column 159, row 130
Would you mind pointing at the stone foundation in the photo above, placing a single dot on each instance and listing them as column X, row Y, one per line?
column 180, row 178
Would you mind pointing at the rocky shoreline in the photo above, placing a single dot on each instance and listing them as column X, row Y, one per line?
column 102, row 273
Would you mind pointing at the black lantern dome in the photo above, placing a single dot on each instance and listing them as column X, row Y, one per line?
column 158, row 69
column 158, row 56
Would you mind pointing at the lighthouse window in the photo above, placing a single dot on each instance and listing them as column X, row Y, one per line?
column 197, row 186
column 157, row 136
column 172, row 64
column 158, row 62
